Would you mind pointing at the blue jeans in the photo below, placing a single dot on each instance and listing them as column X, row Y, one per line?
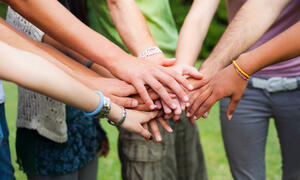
column 6, row 168
column 245, row 135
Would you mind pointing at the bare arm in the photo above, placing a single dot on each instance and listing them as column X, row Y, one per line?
column 51, row 17
column 76, row 56
column 283, row 47
column 250, row 23
column 194, row 30
column 227, row 83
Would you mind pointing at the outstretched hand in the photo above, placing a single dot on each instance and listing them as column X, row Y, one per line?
column 140, row 73
column 225, row 83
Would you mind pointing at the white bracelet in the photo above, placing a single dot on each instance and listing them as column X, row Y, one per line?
column 149, row 52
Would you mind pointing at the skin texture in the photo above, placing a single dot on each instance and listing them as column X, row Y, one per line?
column 134, row 32
column 227, row 83
column 60, row 86
column 49, row 15
column 249, row 24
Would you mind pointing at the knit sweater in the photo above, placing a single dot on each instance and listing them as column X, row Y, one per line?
column 36, row 111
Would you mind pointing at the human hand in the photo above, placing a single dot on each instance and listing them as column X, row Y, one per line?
column 117, row 90
column 134, row 120
column 104, row 148
column 140, row 73
column 225, row 83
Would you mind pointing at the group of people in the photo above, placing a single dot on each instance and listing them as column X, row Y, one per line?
column 77, row 52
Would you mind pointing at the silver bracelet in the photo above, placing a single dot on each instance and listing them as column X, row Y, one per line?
column 119, row 123
column 149, row 52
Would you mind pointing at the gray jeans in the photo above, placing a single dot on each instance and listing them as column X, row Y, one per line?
column 245, row 135
column 88, row 172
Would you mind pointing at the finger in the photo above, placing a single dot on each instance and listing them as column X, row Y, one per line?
column 168, row 62
column 155, row 130
column 144, row 94
column 161, row 91
column 166, row 108
column 165, row 125
column 142, row 107
column 192, row 72
column 124, row 101
column 174, row 86
column 179, row 78
column 199, row 84
column 168, row 116
column 209, row 102
column 198, row 102
column 149, row 116
column 176, row 117
column 127, row 90
column 231, row 107
column 145, row 126
column 158, row 104
column 143, row 132
column 177, row 110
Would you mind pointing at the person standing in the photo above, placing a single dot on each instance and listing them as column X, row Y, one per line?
column 271, row 92
column 147, row 29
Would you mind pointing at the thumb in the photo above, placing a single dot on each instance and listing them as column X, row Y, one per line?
column 231, row 107
column 192, row 72
column 168, row 61
column 143, row 132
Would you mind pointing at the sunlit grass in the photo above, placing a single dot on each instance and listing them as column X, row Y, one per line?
column 109, row 168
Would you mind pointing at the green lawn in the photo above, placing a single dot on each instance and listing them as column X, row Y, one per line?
column 109, row 168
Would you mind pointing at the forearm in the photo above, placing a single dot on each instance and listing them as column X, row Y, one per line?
column 131, row 25
column 283, row 47
column 37, row 74
column 56, row 21
column 250, row 23
column 76, row 56
column 194, row 30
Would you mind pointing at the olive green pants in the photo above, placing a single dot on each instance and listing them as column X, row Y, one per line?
column 178, row 157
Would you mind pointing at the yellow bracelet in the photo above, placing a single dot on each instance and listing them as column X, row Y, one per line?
column 238, row 67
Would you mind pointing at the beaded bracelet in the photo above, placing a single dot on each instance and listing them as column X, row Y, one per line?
column 240, row 72
column 98, row 109
column 149, row 52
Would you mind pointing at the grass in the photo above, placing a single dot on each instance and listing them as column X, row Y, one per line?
column 109, row 168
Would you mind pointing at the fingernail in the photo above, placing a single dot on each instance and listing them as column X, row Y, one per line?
column 194, row 118
column 134, row 103
column 151, row 137
column 170, row 130
column 187, row 104
column 191, row 87
column 188, row 114
column 173, row 95
column 205, row 115
column 229, row 117
column 168, row 111
column 182, row 107
column 158, row 138
column 186, row 98
column 152, row 107
column 173, row 106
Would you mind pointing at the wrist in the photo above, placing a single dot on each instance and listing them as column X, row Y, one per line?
column 244, row 63
column 115, row 113
column 150, row 52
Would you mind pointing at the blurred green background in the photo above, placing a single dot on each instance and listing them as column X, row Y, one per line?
column 217, row 165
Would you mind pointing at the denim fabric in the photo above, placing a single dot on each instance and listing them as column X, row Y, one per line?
column 2, row 95
column 6, row 168
column 246, row 134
